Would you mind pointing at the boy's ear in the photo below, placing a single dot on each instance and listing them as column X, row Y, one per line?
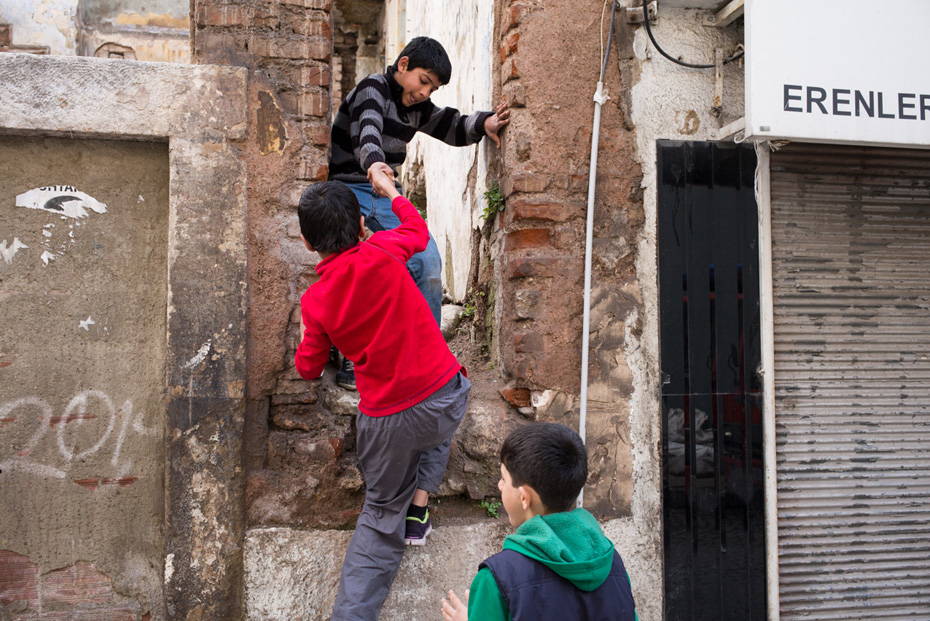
column 526, row 496
column 402, row 63
column 306, row 243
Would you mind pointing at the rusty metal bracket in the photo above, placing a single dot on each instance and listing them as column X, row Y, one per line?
column 718, row 82
column 634, row 15
column 725, row 16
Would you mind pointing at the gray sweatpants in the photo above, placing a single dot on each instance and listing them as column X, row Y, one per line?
column 398, row 454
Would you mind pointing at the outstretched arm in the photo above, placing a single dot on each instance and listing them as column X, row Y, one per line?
column 367, row 121
column 381, row 178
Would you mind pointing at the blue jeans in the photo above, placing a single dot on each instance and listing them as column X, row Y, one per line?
column 425, row 267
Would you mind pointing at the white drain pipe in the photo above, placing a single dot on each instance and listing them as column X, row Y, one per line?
column 600, row 98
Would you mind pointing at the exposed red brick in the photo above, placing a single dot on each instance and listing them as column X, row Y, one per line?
column 316, row 48
column 54, row 420
column 311, row 27
column 90, row 484
column 336, row 443
column 522, row 209
column 19, row 579
column 315, row 76
column 316, row 133
column 509, row 71
column 78, row 584
column 266, row 16
column 5, row 363
column 323, row 5
column 510, row 46
column 527, row 238
column 313, row 103
column 228, row 15
column 209, row 43
column 523, row 267
column 119, row 481
column 515, row 94
column 311, row 171
column 577, row 183
column 517, row 397
column 515, row 16
column 512, row 43
column 320, row 48
column 524, row 182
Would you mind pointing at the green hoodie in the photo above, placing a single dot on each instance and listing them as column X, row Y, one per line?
column 571, row 544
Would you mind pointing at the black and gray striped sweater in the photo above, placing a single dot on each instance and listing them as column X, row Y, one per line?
column 372, row 125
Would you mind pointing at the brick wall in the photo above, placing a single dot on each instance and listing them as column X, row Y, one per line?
column 77, row 591
column 299, row 436
column 549, row 68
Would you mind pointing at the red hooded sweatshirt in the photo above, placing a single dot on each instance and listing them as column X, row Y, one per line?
column 367, row 305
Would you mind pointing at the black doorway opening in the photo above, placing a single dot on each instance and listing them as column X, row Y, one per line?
column 712, row 476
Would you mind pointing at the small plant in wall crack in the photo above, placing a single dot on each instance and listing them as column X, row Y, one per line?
column 492, row 508
column 494, row 202
column 471, row 304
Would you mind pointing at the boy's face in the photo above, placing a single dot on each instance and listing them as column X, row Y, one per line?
column 512, row 498
column 418, row 84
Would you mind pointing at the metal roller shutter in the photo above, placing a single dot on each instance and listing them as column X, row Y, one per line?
column 851, row 272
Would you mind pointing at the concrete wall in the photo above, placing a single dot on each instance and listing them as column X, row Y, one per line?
column 155, row 31
column 170, row 361
column 82, row 410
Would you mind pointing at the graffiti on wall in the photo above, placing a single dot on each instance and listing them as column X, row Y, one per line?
column 38, row 456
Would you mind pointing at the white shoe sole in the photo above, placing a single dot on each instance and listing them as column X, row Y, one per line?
column 419, row 542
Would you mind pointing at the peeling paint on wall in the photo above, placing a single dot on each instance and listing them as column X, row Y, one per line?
column 152, row 20
column 272, row 135
column 65, row 200
column 49, row 23
column 8, row 252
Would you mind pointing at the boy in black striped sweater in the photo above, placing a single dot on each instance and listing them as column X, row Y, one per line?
column 371, row 131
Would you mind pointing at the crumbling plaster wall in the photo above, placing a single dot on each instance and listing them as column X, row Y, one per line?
column 52, row 23
column 455, row 178
column 156, row 31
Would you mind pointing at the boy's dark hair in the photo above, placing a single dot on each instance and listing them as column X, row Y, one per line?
column 428, row 54
column 550, row 458
column 329, row 215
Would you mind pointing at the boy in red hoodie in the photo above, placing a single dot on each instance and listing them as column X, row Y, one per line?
column 412, row 390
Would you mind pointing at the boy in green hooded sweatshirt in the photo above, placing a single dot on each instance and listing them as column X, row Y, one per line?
column 558, row 565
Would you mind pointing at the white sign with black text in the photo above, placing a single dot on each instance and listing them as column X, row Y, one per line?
column 843, row 71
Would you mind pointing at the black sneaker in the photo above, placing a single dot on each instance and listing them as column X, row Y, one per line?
column 345, row 376
column 417, row 529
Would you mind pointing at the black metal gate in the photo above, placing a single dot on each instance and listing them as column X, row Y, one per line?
column 711, row 392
